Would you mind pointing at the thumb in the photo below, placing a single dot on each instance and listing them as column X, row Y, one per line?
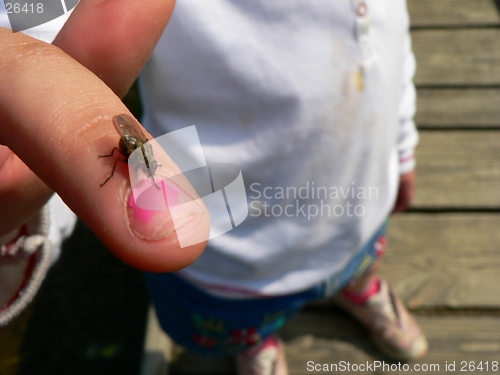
column 57, row 118
column 114, row 38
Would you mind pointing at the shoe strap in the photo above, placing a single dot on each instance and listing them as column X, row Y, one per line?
column 396, row 308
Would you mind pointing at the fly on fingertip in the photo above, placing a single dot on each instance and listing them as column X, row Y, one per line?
column 132, row 138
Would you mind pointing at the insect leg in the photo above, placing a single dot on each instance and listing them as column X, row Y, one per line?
column 112, row 153
column 152, row 177
column 114, row 167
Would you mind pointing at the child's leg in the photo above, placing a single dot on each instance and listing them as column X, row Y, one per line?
column 266, row 359
column 370, row 299
column 365, row 281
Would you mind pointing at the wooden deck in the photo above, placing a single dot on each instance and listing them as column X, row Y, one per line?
column 444, row 254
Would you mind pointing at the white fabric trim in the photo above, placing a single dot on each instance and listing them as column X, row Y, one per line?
column 39, row 228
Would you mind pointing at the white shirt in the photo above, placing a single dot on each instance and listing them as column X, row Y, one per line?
column 299, row 94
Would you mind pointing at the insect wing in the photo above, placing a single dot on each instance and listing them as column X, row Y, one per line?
column 133, row 138
column 130, row 132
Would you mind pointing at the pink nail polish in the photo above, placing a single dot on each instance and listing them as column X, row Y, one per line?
column 150, row 214
column 148, row 224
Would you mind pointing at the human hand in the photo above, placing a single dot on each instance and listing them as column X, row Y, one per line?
column 56, row 118
column 405, row 192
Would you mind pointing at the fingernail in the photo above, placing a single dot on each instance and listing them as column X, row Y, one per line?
column 149, row 209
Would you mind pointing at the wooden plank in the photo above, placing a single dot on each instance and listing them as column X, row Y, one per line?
column 458, row 108
column 445, row 260
column 458, row 169
column 425, row 13
column 457, row 57
column 329, row 337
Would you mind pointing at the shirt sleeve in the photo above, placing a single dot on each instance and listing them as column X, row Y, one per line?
column 408, row 135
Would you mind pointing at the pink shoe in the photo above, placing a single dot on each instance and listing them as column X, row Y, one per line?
column 268, row 358
column 393, row 329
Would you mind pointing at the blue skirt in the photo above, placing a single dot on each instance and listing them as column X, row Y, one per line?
column 209, row 324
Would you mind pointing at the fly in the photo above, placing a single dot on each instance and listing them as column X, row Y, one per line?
column 131, row 138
